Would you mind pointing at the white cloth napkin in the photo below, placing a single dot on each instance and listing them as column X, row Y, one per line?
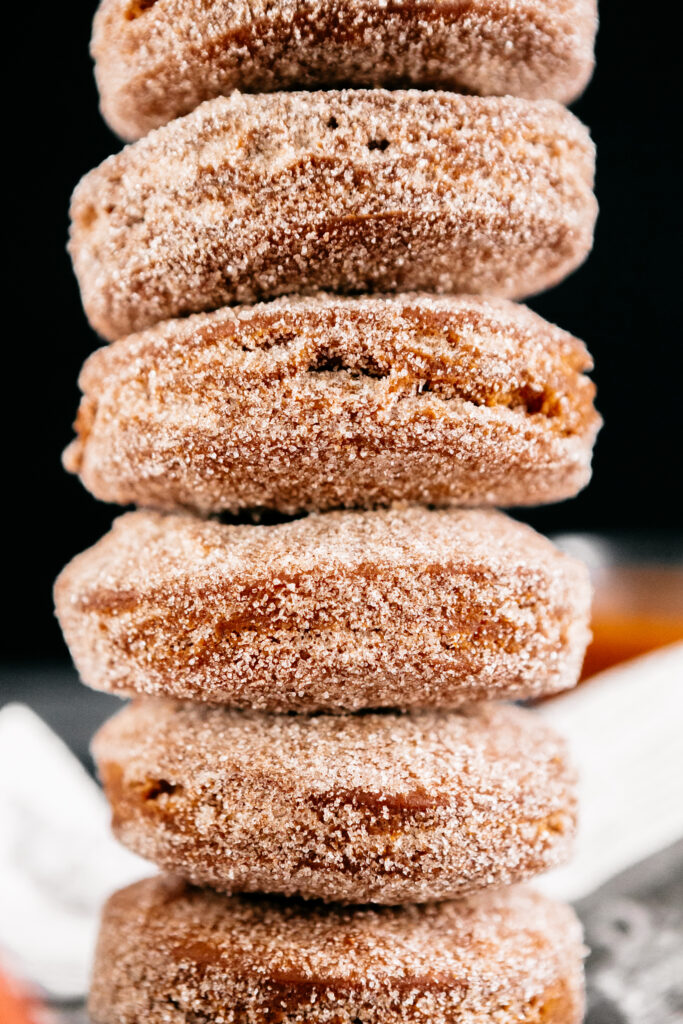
column 625, row 731
column 58, row 859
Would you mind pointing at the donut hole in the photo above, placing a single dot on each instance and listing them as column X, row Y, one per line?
column 158, row 787
column 329, row 364
column 138, row 8
column 536, row 401
column 187, row 1015
column 380, row 144
column 260, row 515
column 264, row 340
column 334, row 364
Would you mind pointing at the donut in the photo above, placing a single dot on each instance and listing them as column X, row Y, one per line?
column 169, row 954
column 377, row 807
column 317, row 403
column 405, row 607
column 157, row 60
column 250, row 197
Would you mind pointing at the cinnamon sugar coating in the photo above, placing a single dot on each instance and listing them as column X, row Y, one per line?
column 383, row 808
column 170, row 954
column 156, row 61
column 316, row 403
column 403, row 607
column 251, row 197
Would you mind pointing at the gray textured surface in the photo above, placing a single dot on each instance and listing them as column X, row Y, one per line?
column 634, row 928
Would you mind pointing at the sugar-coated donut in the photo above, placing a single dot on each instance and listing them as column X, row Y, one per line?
column 170, row 954
column 158, row 59
column 316, row 403
column 251, row 197
column 402, row 607
column 376, row 807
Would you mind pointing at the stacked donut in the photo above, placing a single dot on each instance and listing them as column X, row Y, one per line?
column 319, row 393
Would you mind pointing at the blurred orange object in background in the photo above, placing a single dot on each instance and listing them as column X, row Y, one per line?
column 636, row 608
column 16, row 1007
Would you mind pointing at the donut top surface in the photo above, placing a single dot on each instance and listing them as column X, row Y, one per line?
column 483, row 757
column 489, row 352
column 146, row 549
column 512, row 942
column 377, row 807
column 327, row 402
column 406, row 606
column 249, row 197
column 156, row 60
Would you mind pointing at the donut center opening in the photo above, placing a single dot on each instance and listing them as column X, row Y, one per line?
column 159, row 787
column 138, row 8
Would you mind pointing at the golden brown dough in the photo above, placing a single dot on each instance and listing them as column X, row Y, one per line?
column 251, row 197
column 316, row 403
column 404, row 607
column 371, row 808
column 158, row 60
column 170, row 954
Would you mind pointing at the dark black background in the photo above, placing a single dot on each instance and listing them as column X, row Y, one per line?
column 624, row 302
